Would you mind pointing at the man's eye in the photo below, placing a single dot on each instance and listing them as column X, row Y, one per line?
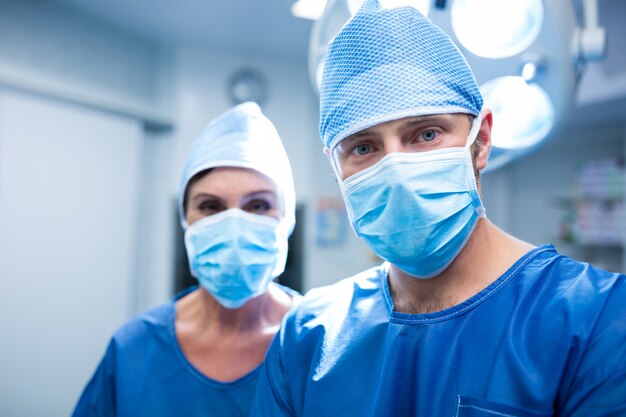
column 429, row 135
column 362, row 149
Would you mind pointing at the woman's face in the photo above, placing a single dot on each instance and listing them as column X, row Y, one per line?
column 225, row 188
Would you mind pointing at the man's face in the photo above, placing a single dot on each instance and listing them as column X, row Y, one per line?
column 411, row 134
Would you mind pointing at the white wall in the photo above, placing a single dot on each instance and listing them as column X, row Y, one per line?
column 80, row 190
column 60, row 51
column 154, row 227
column 69, row 181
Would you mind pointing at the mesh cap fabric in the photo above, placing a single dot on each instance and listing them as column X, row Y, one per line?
column 386, row 64
column 243, row 137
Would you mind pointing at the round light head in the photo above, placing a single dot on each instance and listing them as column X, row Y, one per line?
column 523, row 113
column 496, row 28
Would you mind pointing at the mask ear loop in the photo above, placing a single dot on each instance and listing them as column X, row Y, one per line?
column 473, row 134
column 342, row 188
column 471, row 138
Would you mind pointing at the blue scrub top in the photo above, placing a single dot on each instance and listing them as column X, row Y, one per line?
column 548, row 338
column 145, row 373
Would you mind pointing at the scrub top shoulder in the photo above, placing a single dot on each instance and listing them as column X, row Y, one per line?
column 145, row 373
column 548, row 338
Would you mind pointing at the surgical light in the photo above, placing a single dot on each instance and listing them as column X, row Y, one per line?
column 524, row 113
column 496, row 28
column 308, row 9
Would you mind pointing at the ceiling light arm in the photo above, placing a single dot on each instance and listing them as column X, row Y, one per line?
column 533, row 66
column 589, row 42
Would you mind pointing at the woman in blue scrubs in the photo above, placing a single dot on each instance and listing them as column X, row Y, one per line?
column 201, row 353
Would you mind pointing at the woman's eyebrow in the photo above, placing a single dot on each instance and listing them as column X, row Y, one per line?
column 206, row 195
column 260, row 193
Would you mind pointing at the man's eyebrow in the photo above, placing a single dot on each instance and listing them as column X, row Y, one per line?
column 423, row 119
column 366, row 132
column 410, row 120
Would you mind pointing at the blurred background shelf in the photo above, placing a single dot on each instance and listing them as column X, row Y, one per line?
column 592, row 227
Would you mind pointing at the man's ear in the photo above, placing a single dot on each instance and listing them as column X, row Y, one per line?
column 326, row 152
column 484, row 136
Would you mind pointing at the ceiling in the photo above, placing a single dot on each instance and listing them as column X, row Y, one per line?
column 267, row 28
column 258, row 27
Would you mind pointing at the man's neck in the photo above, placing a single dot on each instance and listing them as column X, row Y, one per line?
column 488, row 254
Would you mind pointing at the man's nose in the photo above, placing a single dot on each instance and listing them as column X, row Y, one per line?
column 394, row 144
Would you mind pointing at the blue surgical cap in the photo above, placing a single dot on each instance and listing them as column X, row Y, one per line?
column 243, row 137
column 386, row 64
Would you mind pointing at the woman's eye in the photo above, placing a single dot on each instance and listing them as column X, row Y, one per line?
column 429, row 135
column 209, row 206
column 362, row 149
column 258, row 206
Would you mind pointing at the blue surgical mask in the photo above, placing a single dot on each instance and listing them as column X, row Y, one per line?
column 235, row 255
column 416, row 210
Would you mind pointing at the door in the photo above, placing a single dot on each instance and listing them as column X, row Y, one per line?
column 69, row 181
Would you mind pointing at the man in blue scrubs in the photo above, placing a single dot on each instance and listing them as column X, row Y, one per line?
column 462, row 319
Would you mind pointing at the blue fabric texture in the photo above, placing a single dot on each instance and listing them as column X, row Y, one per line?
column 386, row 64
column 548, row 338
column 145, row 373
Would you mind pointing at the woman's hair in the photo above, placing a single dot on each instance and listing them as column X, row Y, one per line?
column 197, row 177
